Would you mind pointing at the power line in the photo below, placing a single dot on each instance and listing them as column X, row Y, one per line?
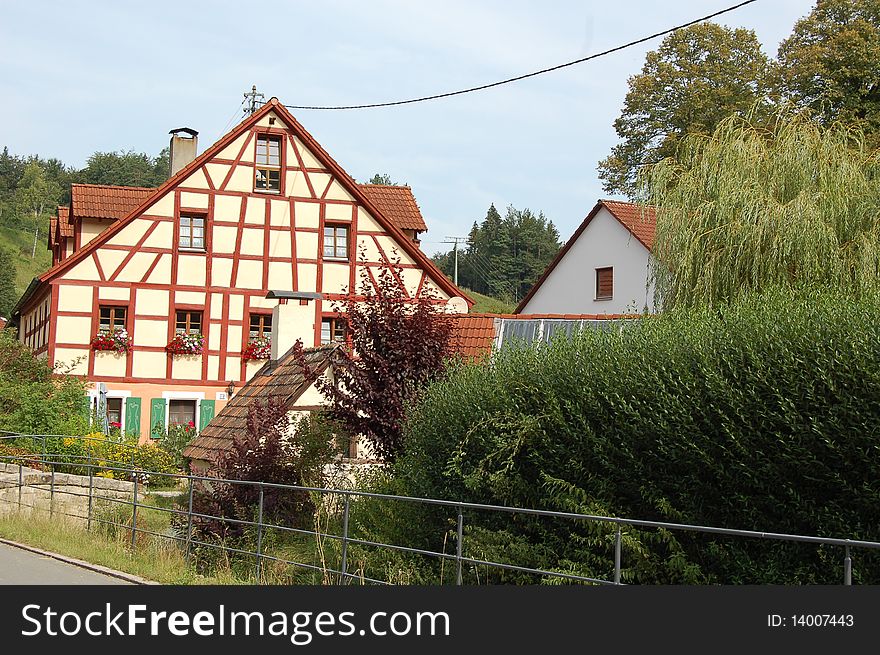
column 533, row 74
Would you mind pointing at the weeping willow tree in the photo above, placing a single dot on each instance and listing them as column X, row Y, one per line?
column 750, row 207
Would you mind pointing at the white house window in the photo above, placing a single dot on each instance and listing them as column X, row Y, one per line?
column 336, row 241
column 188, row 323
column 605, row 283
column 267, row 175
column 111, row 317
column 114, row 412
column 332, row 330
column 192, row 232
column 181, row 412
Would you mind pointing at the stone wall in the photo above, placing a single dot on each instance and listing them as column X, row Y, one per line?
column 30, row 490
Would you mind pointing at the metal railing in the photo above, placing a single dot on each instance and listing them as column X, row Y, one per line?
column 341, row 511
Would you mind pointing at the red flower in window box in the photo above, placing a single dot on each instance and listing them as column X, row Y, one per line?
column 258, row 348
column 116, row 341
column 115, row 424
column 186, row 344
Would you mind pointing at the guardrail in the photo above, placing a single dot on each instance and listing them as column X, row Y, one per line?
column 343, row 574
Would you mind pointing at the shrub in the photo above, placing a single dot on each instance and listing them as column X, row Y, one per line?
column 270, row 451
column 764, row 416
column 34, row 398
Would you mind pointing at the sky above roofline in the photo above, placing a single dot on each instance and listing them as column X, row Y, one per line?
column 118, row 76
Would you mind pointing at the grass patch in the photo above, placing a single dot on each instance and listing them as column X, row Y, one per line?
column 159, row 560
column 487, row 305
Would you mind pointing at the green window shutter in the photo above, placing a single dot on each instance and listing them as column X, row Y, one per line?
column 157, row 417
column 206, row 413
column 132, row 417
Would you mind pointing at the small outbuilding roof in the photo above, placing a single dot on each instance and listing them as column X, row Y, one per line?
column 284, row 379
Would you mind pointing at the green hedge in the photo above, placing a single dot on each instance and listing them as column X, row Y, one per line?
column 764, row 416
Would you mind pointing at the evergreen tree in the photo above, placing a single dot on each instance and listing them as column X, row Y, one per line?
column 384, row 178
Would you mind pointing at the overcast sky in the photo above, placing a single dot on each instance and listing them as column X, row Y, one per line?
column 76, row 78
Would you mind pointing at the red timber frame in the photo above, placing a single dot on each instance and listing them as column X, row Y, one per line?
column 251, row 291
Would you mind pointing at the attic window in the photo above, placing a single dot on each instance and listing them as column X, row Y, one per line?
column 192, row 232
column 604, row 283
column 267, row 175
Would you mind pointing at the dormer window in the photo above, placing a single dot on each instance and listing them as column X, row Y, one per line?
column 267, row 175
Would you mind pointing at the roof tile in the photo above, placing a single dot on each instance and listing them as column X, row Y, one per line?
column 284, row 379
column 641, row 220
column 105, row 201
column 398, row 205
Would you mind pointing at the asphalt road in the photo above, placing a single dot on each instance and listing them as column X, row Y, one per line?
column 19, row 566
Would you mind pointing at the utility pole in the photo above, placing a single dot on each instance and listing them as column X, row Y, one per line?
column 455, row 241
column 250, row 100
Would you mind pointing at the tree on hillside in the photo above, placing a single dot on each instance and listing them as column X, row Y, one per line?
column 504, row 257
column 36, row 196
column 746, row 209
column 697, row 77
column 125, row 169
column 829, row 64
column 398, row 345
column 8, row 294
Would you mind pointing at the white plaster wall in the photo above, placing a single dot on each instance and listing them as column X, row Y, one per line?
column 571, row 286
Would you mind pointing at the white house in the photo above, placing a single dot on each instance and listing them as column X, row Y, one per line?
column 604, row 268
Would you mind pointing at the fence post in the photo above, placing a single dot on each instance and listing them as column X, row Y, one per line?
column 20, row 481
column 344, row 567
column 847, row 568
column 459, row 534
column 91, row 494
column 134, row 509
column 91, row 473
column 189, row 520
column 52, row 492
column 260, row 537
column 617, row 549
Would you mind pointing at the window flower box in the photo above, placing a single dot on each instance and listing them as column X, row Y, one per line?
column 258, row 348
column 186, row 344
column 116, row 341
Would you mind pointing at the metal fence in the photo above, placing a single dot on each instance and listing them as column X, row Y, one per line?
column 340, row 503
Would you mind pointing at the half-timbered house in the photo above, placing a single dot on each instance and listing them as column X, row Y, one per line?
column 159, row 296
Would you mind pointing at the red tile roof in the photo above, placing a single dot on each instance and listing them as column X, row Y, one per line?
column 638, row 219
column 398, row 205
column 105, row 201
column 65, row 229
column 284, row 380
column 473, row 335
column 53, row 228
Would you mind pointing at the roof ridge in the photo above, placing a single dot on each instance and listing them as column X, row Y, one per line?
column 113, row 186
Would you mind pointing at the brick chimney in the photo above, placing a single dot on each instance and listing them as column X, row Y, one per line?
column 184, row 144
